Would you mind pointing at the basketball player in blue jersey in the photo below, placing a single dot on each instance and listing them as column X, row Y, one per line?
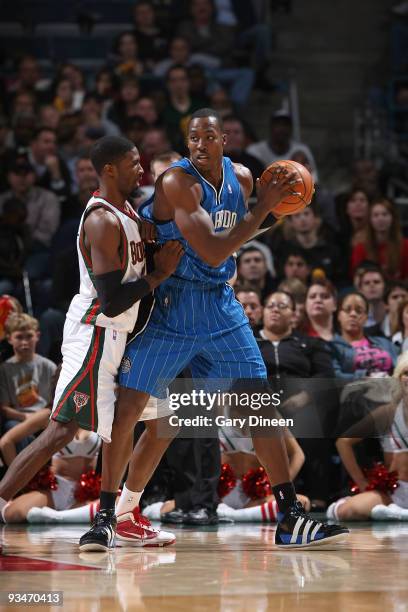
column 196, row 320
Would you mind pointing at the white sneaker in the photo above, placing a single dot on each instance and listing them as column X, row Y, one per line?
column 134, row 529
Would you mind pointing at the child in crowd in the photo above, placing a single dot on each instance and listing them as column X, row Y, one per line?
column 25, row 386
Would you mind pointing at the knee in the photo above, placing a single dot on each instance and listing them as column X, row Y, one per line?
column 128, row 409
column 57, row 435
column 4, row 440
column 125, row 418
column 346, row 512
column 13, row 514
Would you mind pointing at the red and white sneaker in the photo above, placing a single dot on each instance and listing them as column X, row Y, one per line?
column 134, row 529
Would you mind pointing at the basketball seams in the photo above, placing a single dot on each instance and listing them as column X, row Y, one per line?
column 294, row 167
column 295, row 203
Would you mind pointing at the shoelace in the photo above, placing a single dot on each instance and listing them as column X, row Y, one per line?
column 300, row 510
column 100, row 518
column 143, row 520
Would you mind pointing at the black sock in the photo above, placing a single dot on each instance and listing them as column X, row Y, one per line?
column 107, row 500
column 285, row 496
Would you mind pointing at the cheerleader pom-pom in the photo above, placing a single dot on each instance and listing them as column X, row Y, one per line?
column 88, row 487
column 44, row 480
column 379, row 479
column 227, row 480
column 255, row 484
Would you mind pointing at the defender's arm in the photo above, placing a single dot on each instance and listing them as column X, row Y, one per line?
column 103, row 233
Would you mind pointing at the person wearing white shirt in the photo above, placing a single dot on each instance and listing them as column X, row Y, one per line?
column 280, row 144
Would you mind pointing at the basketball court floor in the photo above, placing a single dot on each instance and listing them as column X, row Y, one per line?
column 232, row 567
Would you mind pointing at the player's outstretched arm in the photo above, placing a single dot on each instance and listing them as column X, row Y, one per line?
column 103, row 233
column 183, row 194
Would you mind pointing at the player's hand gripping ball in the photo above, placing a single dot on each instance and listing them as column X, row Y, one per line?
column 304, row 186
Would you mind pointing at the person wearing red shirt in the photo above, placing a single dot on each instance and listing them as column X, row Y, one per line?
column 385, row 244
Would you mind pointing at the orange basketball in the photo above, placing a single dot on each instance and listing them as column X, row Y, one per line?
column 291, row 204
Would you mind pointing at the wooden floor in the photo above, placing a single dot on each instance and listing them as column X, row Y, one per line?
column 232, row 567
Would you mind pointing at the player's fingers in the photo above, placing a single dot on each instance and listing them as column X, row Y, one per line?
column 292, row 177
column 280, row 170
column 175, row 246
column 172, row 244
column 150, row 233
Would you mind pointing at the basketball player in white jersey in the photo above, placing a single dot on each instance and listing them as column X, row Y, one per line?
column 112, row 282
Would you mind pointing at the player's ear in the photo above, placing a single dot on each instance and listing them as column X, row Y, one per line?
column 224, row 140
column 109, row 169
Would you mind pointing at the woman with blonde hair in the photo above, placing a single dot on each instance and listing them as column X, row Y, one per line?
column 384, row 243
column 391, row 422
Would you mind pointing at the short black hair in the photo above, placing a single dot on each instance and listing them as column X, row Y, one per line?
column 109, row 150
column 207, row 112
column 248, row 289
column 350, row 293
column 84, row 155
column 40, row 130
column 371, row 268
column 295, row 251
column 394, row 284
column 175, row 67
column 249, row 249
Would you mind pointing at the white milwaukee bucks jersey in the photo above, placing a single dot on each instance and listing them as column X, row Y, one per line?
column 85, row 307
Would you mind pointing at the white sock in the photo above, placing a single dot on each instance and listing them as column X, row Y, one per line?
column 3, row 504
column 152, row 512
column 331, row 511
column 128, row 500
column 82, row 514
column 389, row 513
column 265, row 513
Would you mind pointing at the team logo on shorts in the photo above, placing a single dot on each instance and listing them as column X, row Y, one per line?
column 126, row 365
column 80, row 400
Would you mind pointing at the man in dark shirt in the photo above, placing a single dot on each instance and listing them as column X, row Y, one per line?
column 51, row 171
column 152, row 39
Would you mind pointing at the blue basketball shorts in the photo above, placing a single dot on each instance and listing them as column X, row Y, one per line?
column 203, row 327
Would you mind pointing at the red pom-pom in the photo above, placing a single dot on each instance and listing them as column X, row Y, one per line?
column 44, row 480
column 255, row 484
column 227, row 480
column 88, row 487
column 379, row 479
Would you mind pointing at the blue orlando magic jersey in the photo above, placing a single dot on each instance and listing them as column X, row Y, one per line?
column 226, row 208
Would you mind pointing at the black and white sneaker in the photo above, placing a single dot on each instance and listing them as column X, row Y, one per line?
column 296, row 529
column 101, row 536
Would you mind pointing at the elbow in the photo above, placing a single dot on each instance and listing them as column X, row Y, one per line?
column 340, row 444
column 109, row 310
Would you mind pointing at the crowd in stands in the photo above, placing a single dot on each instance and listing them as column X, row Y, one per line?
column 325, row 290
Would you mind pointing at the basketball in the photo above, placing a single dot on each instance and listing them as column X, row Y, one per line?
column 291, row 204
